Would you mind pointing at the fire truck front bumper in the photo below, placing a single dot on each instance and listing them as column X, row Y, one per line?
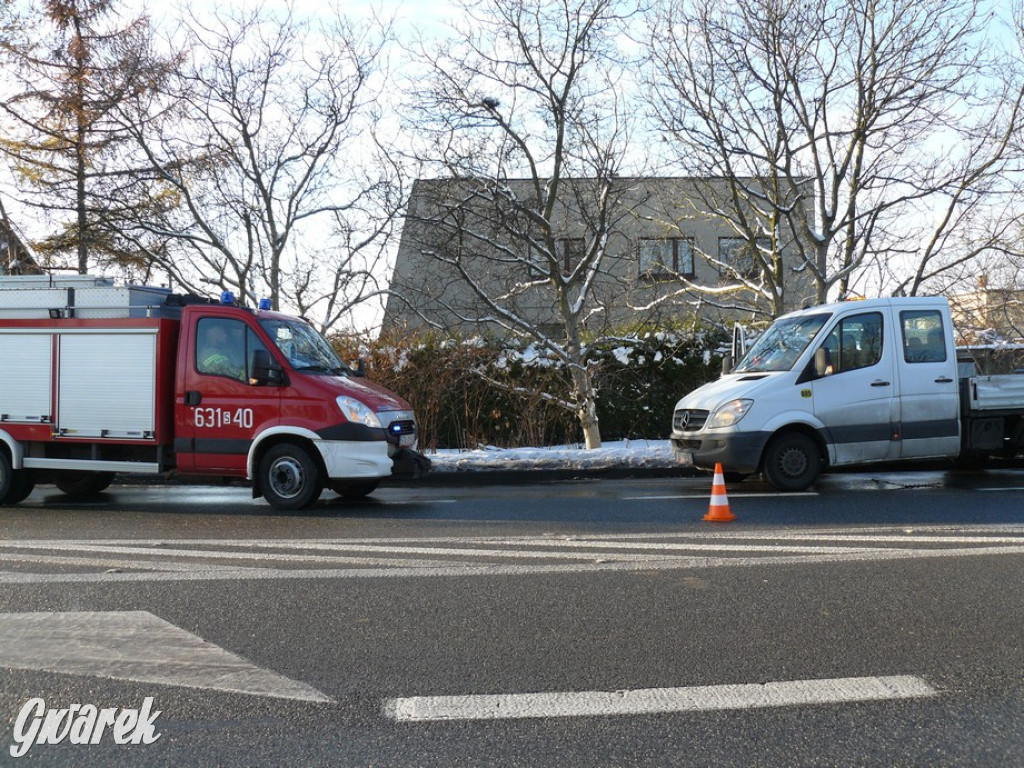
column 357, row 460
column 409, row 464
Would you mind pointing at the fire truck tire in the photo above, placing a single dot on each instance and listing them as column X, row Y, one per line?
column 84, row 483
column 15, row 484
column 6, row 477
column 290, row 477
column 356, row 489
column 22, row 485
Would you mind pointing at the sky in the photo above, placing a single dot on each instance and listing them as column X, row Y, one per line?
column 412, row 16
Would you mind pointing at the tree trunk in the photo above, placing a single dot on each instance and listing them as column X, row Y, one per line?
column 586, row 395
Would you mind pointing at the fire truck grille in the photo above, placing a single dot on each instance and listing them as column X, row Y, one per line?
column 401, row 431
column 399, row 428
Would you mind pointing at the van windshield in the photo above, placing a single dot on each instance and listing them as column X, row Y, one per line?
column 780, row 346
column 305, row 349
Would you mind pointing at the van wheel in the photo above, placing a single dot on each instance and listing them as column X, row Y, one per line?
column 289, row 477
column 792, row 462
column 84, row 483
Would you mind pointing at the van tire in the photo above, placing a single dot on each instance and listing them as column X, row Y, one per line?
column 792, row 461
column 290, row 477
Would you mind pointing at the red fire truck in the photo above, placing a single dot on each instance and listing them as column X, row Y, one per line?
column 98, row 379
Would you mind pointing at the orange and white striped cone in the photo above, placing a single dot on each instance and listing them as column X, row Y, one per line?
column 718, row 511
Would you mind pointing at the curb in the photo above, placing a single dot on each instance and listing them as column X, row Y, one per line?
column 478, row 477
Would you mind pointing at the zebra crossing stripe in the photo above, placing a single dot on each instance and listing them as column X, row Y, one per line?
column 655, row 700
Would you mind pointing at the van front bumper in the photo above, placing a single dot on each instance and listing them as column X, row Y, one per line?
column 736, row 452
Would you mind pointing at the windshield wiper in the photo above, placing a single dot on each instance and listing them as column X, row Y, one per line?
column 335, row 371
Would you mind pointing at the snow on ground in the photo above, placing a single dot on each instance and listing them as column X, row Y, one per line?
column 622, row 453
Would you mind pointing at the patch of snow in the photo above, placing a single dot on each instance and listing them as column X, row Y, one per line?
column 621, row 453
column 622, row 355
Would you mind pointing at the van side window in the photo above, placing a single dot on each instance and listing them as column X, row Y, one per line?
column 856, row 342
column 924, row 339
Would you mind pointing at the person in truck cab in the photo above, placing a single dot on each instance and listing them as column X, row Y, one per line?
column 219, row 353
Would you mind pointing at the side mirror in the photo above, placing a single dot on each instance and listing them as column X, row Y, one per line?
column 726, row 363
column 358, row 368
column 265, row 372
column 822, row 362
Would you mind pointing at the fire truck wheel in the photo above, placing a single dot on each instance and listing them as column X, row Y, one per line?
column 289, row 477
column 6, row 478
column 21, row 486
column 354, row 489
column 84, row 483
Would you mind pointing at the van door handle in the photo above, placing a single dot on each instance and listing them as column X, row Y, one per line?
column 193, row 397
column 943, row 380
column 879, row 383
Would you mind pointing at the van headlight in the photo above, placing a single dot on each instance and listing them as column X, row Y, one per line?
column 358, row 413
column 730, row 413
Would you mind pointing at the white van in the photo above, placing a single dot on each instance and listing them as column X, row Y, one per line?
column 845, row 384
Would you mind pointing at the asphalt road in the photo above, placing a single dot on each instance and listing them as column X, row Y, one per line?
column 878, row 620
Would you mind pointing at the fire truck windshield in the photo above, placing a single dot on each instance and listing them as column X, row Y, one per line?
column 305, row 349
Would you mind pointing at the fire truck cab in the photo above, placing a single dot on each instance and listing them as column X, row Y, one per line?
column 99, row 379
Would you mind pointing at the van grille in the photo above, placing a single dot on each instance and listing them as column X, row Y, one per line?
column 685, row 420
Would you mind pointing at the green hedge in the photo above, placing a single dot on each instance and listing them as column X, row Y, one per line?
column 639, row 383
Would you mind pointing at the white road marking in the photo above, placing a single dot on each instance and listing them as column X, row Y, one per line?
column 705, row 496
column 135, row 645
column 656, row 700
column 221, row 559
column 199, row 573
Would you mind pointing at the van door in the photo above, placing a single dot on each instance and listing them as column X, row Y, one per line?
column 857, row 398
column 929, row 414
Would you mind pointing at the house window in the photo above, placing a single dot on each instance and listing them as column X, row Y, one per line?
column 666, row 257
column 737, row 254
column 570, row 253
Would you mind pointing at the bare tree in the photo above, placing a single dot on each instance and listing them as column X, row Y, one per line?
column 874, row 131
column 523, row 113
column 266, row 175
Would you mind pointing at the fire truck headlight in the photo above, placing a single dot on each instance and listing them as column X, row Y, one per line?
column 357, row 413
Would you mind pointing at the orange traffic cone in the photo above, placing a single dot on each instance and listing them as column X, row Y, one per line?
column 718, row 511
